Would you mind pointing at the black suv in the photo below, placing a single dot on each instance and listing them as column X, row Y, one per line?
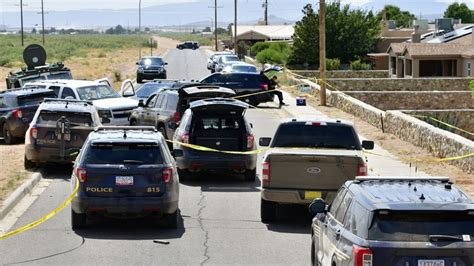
column 243, row 84
column 169, row 105
column 151, row 67
column 377, row 220
column 58, row 131
column 17, row 108
column 188, row 45
column 217, row 124
column 125, row 171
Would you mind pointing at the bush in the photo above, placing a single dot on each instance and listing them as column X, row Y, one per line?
column 358, row 65
column 259, row 46
column 117, row 76
column 271, row 56
column 333, row 64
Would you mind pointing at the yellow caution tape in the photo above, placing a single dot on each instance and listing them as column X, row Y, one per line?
column 202, row 148
column 44, row 218
column 444, row 123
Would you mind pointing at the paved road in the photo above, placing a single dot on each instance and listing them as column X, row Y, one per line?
column 220, row 218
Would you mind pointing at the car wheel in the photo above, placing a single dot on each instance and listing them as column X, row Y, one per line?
column 172, row 220
column 78, row 220
column 28, row 164
column 251, row 175
column 7, row 135
column 139, row 80
column 267, row 210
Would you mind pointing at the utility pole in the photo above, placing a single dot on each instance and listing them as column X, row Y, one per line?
column 235, row 26
column 322, row 52
column 215, row 23
column 265, row 17
column 22, row 36
column 42, row 19
column 139, row 27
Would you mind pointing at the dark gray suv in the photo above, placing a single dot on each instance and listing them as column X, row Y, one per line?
column 373, row 220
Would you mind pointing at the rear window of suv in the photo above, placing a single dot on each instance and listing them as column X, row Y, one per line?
column 51, row 117
column 34, row 99
column 124, row 153
column 309, row 135
column 418, row 226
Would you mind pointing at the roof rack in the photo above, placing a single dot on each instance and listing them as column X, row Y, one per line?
column 23, row 89
column 402, row 178
column 142, row 128
column 66, row 100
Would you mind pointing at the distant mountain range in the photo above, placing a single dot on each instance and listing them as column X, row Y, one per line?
column 202, row 13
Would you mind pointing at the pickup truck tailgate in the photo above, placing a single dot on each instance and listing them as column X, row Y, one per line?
column 312, row 169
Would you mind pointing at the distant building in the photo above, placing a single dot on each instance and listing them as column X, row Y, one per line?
column 249, row 35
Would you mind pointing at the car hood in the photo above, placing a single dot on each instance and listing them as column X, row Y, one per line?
column 116, row 103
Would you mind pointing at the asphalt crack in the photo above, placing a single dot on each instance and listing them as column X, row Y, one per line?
column 201, row 225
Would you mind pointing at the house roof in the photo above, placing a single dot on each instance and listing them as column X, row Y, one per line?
column 272, row 32
column 438, row 49
column 397, row 48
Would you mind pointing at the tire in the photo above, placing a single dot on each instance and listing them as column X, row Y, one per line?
column 7, row 135
column 28, row 164
column 250, row 175
column 267, row 210
column 139, row 79
column 172, row 220
column 78, row 220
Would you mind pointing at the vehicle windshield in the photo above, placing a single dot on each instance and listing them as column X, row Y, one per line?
column 31, row 79
column 418, row 226
column 148, row 89
column 315, row 135
column 96, row 92
column 230, row 59
column 34, row 99
column 118, row 153
column 51, row 117
column 151, row 61
column 248, row 69
column 60, row 75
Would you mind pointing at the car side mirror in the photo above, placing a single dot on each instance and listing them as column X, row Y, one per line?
column 264, row 142
column 317, row 206
column 166, row 63
column 172, row 125
column 141, row 103
column 128, row 94
column 177, row 153
column 105, row 120
column 137, row 63
column 368, row 144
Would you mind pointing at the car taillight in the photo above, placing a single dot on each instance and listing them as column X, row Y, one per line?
column 167, row 174
column 184, row 138
column 264, row 86
column 362, row 169
column 266, row 172
column 362, row 256
column 250, row 140
column 17, row 113
column 33, row 132
column 176, row 117
column 81, row 174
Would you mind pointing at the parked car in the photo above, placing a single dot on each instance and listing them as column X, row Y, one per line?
column 169, row 105
column 108, row 102
column 144, row 91
column 17, row 108
column 125, row 172
column 240, row 68
column 188, row 45
column 309, row 159
column 47, row 72
column 378, row 220
column 218, row 124
column 225, row 61
column 151, row 67
column 58, row 131
column 243, row 84
column 212, row 61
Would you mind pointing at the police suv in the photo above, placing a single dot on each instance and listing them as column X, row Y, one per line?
column 108, row 102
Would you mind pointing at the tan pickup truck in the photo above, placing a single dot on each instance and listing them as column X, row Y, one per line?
column 309, row 159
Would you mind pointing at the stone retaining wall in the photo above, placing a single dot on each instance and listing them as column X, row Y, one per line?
column 347, row 74
column 391, row 84
column 414, row 100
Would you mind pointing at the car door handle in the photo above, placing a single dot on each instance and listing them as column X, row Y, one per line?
column 338, row 234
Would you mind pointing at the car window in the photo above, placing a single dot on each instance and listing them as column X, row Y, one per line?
column 96, row 92
column 151, row 61
column 337, row 201
column 417, row 226
column 117, row 153
column 67, row 92
column 215, row 78
column 34, row 99
column 3, row 104
column 56, row 89
column 51, row 117
column 312, row 135
column 148, row 89
column 343, row 207
column 359, row 220
column 217, row 123
column 172, row 102
column 159, row 100
column 59, row 75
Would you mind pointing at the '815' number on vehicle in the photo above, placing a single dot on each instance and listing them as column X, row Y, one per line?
column 153, row 190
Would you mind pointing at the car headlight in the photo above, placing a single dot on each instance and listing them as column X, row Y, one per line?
column 105, row 113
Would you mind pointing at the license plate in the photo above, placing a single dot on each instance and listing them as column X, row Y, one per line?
column 430, row 262
column 312, row 194
column 124, row 180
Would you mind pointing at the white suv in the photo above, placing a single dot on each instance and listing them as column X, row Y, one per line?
column 108, row 102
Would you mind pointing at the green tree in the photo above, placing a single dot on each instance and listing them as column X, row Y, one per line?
column 392, row 12
column 350, row 33
column 459, row 11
